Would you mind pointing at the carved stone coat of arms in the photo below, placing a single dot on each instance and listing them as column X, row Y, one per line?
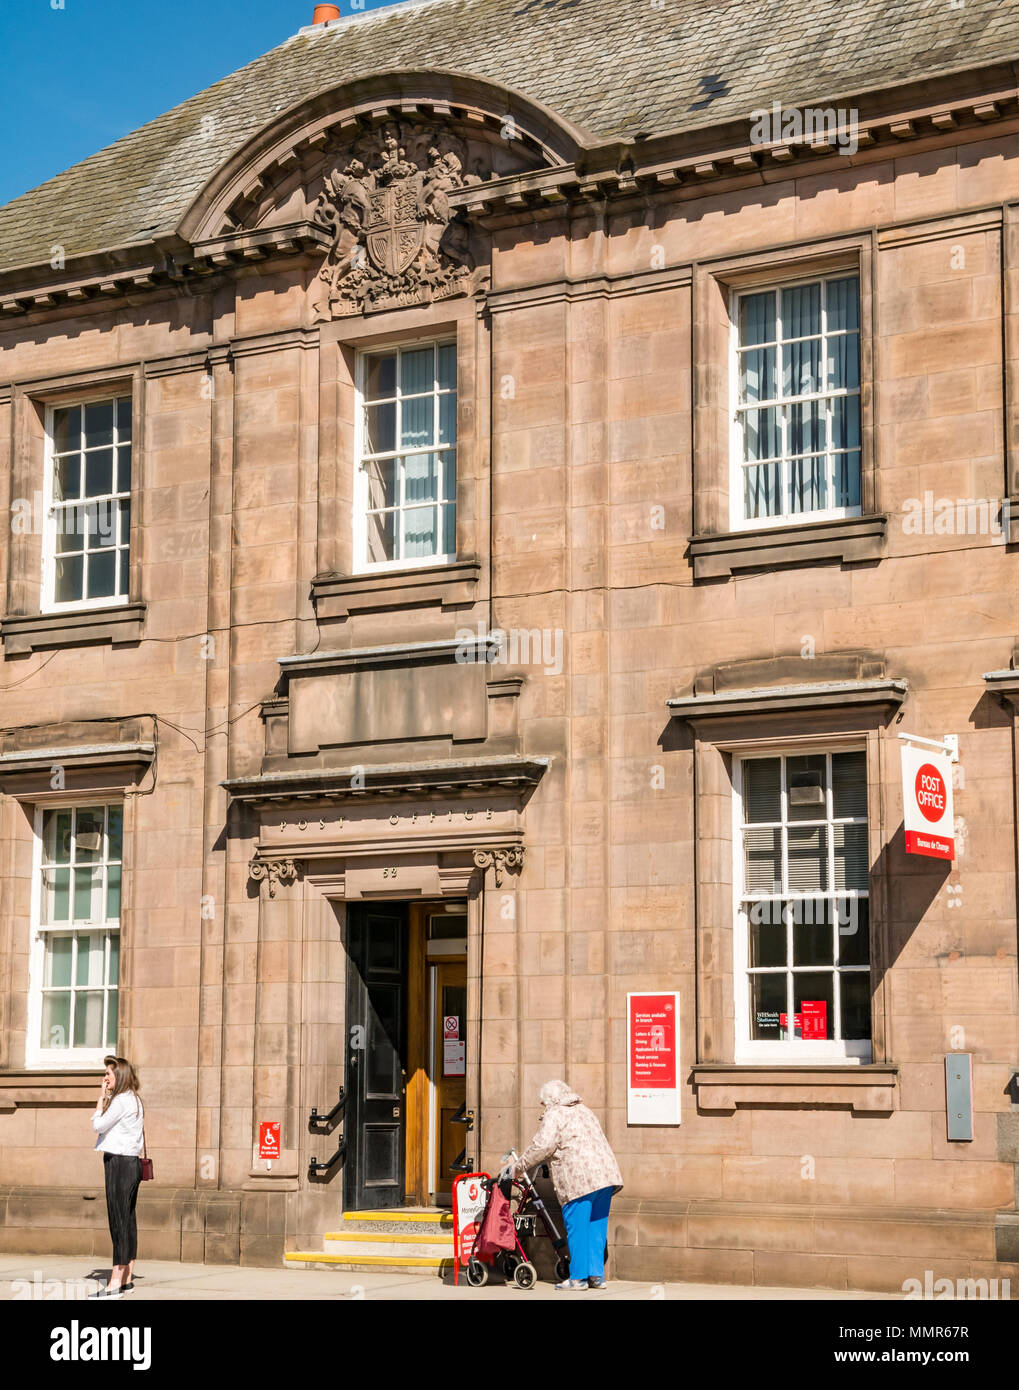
column 395, row 238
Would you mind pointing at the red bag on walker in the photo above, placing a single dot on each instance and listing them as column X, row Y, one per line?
column 497, row 1232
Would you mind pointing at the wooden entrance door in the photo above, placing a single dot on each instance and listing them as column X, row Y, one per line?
column 450, row 1078
column 375, row 1118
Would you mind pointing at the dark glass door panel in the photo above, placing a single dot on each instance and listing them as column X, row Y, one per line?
column 376, row 1056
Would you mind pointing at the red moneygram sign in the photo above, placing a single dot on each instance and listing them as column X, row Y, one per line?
column 469, row 1202
column 652, row 1059
column 269, row 1139
column 927, row 814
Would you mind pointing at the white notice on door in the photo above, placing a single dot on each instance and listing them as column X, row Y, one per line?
column 454, row 1057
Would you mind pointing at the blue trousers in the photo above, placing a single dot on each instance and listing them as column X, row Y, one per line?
column 587, row 1226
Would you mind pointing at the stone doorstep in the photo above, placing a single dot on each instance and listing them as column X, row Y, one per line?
column 412, row 1240
column 395, row 1223
column 352, row 1244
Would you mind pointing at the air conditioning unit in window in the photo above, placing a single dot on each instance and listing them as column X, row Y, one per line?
column 89, row 840
column 805, row 789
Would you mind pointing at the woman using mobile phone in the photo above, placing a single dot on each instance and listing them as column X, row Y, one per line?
column 119, row 1122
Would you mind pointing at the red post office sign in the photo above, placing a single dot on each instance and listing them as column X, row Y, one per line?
column 269, row 1139
column 652, row 1059
column 927, row 813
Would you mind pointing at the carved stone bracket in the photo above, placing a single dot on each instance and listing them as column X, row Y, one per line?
column 275, row 871
column 502, row 859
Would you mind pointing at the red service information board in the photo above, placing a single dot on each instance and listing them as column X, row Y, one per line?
column 652, row 1059
column 812, row 1020
column 927, row 812
column 269, row 1139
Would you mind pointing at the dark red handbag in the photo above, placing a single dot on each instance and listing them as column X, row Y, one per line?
column 147, row 1174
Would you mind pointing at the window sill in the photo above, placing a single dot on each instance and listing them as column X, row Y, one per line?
column 22, row 634
column 871, row 1087
column 340, row 595
column 848, row 539
column 50, row 1087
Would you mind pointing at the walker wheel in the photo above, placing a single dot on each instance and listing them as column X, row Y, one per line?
column 525, row 1275
column 477, row 1273
column 562, row 1269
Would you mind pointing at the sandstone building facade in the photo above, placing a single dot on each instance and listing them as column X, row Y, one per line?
column 489, row 484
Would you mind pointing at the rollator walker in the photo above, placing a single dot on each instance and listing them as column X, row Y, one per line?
column 512, row 1208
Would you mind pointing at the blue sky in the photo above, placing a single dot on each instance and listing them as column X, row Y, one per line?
column 75, row 75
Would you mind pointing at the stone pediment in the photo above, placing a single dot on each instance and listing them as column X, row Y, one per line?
column 379, row 186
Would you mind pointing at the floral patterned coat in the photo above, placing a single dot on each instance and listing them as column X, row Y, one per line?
column 574, row 1144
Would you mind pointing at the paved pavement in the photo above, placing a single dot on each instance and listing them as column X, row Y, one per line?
column 67, row 1277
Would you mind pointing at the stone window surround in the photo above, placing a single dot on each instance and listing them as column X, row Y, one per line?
column 715, row 549
column 789, row 1050
column 69, row 1057
column 336, row 590
column 735, row 723
column 24, row 627
column 96, row 772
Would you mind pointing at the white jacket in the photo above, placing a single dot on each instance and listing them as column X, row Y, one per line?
column 120, row 1128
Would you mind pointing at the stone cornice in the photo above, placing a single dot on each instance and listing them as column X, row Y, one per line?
column 240, row 246
column 472, row 650
column 787, row 698
column 869, row 1087
column 30, row 771
column 951, row 109
column 29, row 632
column 464, row 779
column 48, row 1087
column 1005, row 685
column 339, row 595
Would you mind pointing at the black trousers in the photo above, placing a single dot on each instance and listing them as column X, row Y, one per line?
column 123, row 1175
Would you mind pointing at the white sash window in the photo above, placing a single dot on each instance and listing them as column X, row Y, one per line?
column 796, row 446
column 405, row 487
column 88, row 504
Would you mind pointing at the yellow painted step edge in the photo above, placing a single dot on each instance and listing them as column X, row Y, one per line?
column 318, row 1258
column 393, row 1237
column 444, row 1218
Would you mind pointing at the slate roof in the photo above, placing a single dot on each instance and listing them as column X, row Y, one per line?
column 612, row 67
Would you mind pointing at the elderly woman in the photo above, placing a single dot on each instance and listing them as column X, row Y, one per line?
column 585, row 1174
